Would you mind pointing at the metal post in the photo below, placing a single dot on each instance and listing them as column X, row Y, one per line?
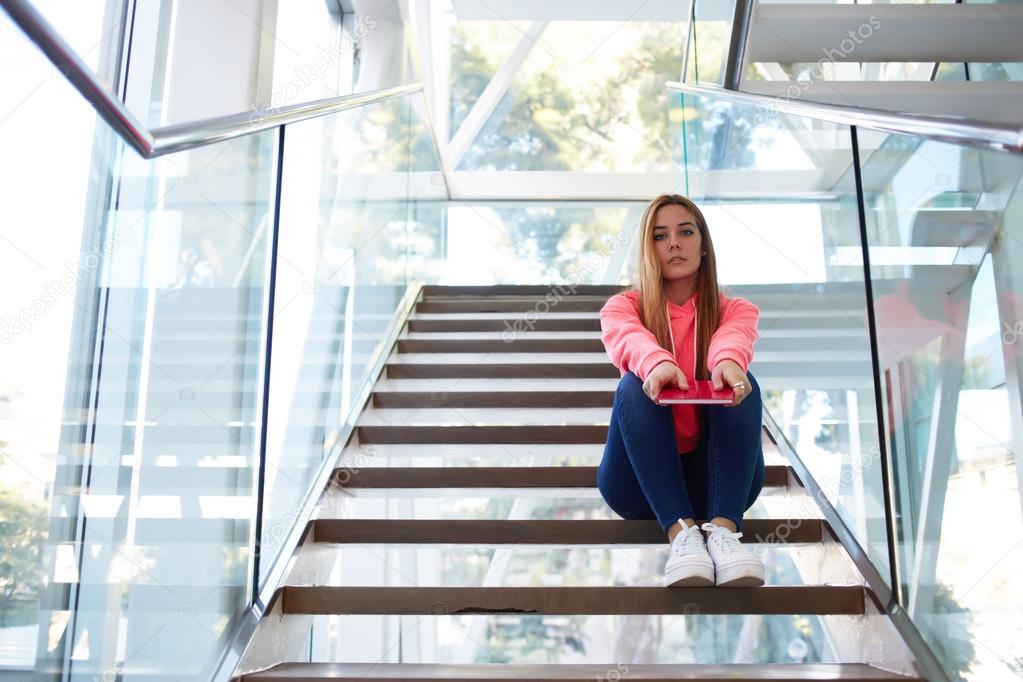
column 875, row 363
column 737, row 44
column 257, row 556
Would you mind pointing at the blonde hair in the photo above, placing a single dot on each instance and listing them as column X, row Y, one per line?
column 650, row 284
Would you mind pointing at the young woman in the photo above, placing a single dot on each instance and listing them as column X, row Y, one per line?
column 679, row 463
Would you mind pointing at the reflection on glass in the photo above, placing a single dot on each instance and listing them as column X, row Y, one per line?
column 947, row 337
column 341, row 273
column 154, row 506
column 708, row 41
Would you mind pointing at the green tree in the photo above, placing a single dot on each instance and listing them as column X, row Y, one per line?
column 23, row 526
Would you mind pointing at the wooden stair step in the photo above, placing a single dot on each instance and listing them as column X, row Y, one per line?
column 492, row 477
column 571, row 433
column 770, row 323
column 551, row 672
column 506, row 392
column 590, row 342
column 494, row 398
column 513, row 343
column 500, row 323
column 425, row 370
column 437, row 601
column 515, row 304
column 487, row 290
column 544, row 531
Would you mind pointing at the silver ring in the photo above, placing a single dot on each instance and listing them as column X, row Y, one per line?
column 739, row 384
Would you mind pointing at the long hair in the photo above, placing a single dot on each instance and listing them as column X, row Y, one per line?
column 653, row 299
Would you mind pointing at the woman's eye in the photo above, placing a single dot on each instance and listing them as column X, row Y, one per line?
column 687, row 232
column 657, row 237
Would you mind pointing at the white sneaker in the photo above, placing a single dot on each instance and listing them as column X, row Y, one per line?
column 688, row 563
column 734, row 565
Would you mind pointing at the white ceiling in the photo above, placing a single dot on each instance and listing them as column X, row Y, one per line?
column 571, row 10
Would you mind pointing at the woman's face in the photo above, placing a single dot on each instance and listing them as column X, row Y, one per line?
column 677, row 242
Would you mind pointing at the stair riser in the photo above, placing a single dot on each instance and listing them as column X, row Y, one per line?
column 544, row 532
column 491, row 477
column 483, row 434
column 491, row 399
column 520, row 344
column 437, row 601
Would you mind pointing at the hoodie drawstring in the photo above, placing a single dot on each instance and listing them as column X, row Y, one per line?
column 696, row 333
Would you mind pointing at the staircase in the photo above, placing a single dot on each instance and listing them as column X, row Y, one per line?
column 478, row 452
column 874, row 35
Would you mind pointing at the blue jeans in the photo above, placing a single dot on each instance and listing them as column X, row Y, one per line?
column 642, row 476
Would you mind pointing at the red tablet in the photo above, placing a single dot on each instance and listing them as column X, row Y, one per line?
column 702, row 393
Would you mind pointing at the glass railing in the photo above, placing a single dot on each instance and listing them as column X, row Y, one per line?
column 351, row 184
column 142, row 517
column 943, row 228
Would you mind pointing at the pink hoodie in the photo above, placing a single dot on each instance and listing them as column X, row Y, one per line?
column 633, row 347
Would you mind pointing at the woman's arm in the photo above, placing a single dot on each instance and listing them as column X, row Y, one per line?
column 631, row 346
column 736, row 333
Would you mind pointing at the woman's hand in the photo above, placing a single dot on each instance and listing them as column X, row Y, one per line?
column 663, row 374
column 729, row 373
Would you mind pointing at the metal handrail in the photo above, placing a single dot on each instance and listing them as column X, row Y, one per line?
column 735, row 60
column 169, row 139
column 944, row 129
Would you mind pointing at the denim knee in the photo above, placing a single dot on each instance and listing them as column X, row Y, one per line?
column 630, row 387
column 627, row 504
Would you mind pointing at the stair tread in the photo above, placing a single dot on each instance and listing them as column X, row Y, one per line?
column 496, row 335
column 510, row 358
column 483, row 416
column 773, row 599
column 648, row 672
column 496, row 384
column 544, row 531
column 596, row 358
column 491, row 477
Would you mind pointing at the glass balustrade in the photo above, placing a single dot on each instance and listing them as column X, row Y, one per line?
column 942, row 224
column 135, row 361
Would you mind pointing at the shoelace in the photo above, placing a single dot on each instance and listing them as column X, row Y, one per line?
column 692, row 541
column 728, row 541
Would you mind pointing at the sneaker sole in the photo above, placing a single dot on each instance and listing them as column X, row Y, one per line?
column 692, row 581
column 748, row 575
column 745, row 581
column 691, row 575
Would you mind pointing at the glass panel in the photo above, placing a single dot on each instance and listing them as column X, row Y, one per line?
column 708, row 41
column 528, row 242
column 781, row 204
column 586, row 98
column 266, row 56
column 341, row 274
column 478, row 49
column 154, row 499
column 54, row 179
column 615, row 640
column 948, row 339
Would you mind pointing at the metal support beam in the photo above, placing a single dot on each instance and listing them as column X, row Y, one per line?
column 736, row 59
